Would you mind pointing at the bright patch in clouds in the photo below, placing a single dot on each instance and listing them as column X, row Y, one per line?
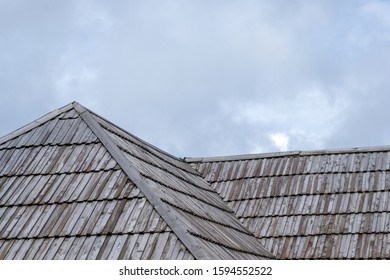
column 308, row 117
column 290, row 74
column 279, row 140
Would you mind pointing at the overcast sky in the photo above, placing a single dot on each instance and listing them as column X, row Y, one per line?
column 204, row 78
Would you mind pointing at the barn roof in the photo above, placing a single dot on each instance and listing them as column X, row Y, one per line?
column 327, row 204
column 75, row 186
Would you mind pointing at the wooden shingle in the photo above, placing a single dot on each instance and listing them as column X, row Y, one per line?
column 309, row 205
column 75, row 186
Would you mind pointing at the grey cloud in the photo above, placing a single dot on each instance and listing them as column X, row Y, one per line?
column 180, row 73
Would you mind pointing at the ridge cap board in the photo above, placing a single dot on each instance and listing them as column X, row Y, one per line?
column 133, row 174
column 356, row 150
column 82, row 109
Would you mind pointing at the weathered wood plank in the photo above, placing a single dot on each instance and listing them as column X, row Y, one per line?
column 54, row 247
column 128, row 246
column 114, row 217
column 107, row 247
column 161, row 242
column 131, row 223
column 66, row 215
column 14, row 249
column 64, row 248
column 40, row 254
column 20, row 254
column 90, row 218
column 140, row 246
column 96, row 247
column 72, row 125
column 100, row 183
column 117, row 247
column 75, row 248
column 143, row 218
column 86, row 248
column 12, row 221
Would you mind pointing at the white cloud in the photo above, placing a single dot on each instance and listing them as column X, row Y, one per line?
column 308, row 118
column 314, row 71
column 379, row 9
column 279, row 140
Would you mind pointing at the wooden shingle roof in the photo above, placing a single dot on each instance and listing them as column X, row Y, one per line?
column 309, row 205
column 75, row 186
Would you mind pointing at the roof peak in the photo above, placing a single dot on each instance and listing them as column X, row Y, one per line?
column 186, row 202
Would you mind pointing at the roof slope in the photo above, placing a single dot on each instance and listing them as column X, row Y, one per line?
column 309, row 205
column 75, row 186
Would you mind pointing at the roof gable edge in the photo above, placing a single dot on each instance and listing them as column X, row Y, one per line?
column 36, row 123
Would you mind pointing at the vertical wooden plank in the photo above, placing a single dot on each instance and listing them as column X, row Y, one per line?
column 66, row 215
column 88, row 219
column 12, row 221
column 104, row 217
column 20, row 140
column 140, row 247
column 128, row 246
column 78, row 132
column 117, row 247
column 100, row 155
column 131, row 223
column 73, row 125
column 85, row 136
column 54, row 247
column 15, row 161
column 13, row 250
column 53, row 138
column 7, row 160
column 71, row 186
column 29, row 157
column 107, row 247
column 111, row 183
column 308, row 250
column 86, row 248
column 17, row 190
column 91, row 183
column 43, row 248
column 63, row 248
column 100, row 185
column 160, row 246
column 26, row 244
column 52, row 156
column 75, row 248
column 114, row 217
column 33, row 249
column 96, row 247
column 169, row 246
column 9, row 187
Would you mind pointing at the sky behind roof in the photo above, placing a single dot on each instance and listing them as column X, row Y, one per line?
column 204, row 78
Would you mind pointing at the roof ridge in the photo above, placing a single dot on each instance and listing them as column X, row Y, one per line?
column 138, row 179
column 112, row 142
column 81, row 109
column 369, row 149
